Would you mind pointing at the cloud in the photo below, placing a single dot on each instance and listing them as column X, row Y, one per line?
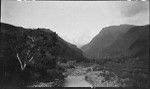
column 129, row 9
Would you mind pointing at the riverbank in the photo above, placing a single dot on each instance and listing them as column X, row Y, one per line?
column 98, row 79
column 56, row 83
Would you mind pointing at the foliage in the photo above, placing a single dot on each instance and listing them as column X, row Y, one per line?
column 133, row 68
column 38, row 49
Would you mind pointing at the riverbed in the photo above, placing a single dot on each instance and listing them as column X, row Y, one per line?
column 75, row 77
column 76, row 81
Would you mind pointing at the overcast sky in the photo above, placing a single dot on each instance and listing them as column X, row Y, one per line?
column 76, row 22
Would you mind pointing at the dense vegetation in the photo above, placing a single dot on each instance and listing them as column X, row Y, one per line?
column 32, row 55
column 133, row 69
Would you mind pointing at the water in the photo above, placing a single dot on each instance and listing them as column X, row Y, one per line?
column 76, row 81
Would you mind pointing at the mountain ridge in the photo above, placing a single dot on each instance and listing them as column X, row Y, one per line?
column 108, row 36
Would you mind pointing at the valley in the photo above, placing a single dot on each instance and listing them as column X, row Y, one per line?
column 40, row 58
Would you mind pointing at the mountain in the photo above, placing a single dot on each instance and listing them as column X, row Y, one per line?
column 65, row 48
column 104, row 39
column 116, row 41
column 135, row 42
column 25, row 53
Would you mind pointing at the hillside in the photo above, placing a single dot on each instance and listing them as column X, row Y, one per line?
column 27, row 55
column 106, row 37
column 117, row 41
column 135, row 42
column 65, row 49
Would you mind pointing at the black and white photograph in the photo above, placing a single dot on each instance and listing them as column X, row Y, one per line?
column 74, row 43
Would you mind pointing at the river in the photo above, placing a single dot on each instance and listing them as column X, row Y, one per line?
column 76, row 81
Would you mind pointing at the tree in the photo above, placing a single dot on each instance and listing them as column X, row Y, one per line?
column 26, row 45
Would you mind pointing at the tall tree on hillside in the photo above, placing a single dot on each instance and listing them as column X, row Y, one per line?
column 27, row 46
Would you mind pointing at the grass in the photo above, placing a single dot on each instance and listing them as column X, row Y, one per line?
column 130, row 69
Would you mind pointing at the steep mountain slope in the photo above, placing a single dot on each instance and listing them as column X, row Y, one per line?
column 116, row 41
column 65, row 48
column 26, row 53
column 104, row 39
column 135, row 42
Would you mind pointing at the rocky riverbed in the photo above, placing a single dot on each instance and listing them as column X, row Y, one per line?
column 85, row 76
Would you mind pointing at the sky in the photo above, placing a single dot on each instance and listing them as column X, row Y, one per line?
column 75, row 21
